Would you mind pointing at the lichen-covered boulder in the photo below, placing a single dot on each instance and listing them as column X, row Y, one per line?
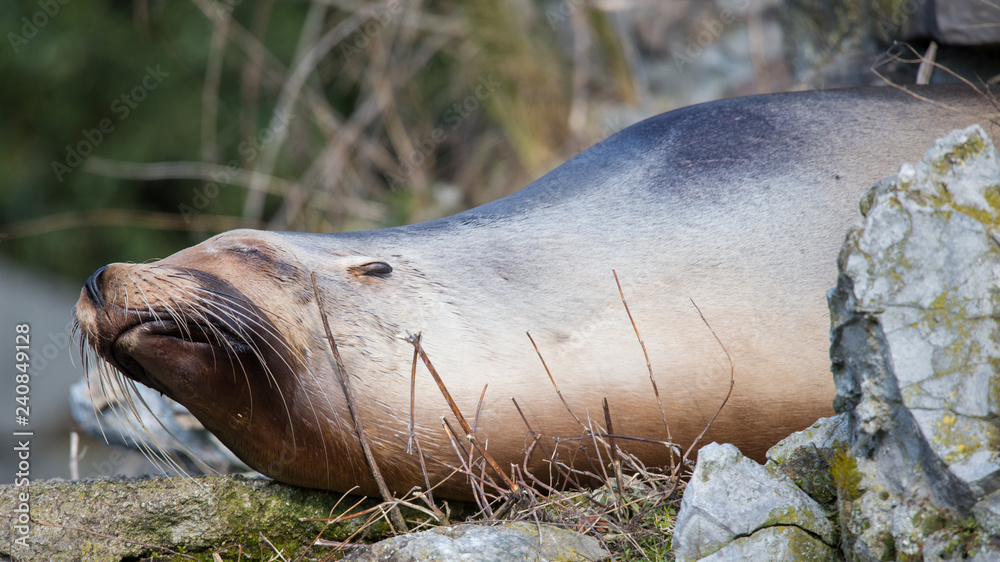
column 731, row 497
column 916, row 350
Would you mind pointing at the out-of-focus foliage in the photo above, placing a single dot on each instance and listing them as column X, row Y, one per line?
column 63, row 81
column 397, row 112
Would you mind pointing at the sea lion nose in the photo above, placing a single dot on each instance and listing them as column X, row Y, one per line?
column 94, row 286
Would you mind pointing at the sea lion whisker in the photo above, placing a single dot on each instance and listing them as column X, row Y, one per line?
column 220, row 314
column 237, row 310
column 150, row 309
column 211, row 322
column 156, row 453
column 258, row 356
column 248, row 313
column 113, row 384
column 208, row 321
column 93, row 359
column 208, row 315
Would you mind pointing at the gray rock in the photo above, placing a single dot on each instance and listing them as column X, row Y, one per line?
column 826, row 433
column 952, row 545
column 967, row 22
column 805, row 457
column 775, row 543
column 731, row 496
column 513, row 541
column 915, row 349
column 987, row 513
column 925, row 267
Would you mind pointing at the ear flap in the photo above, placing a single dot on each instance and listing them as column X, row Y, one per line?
column 372, row 268
column 365, row 265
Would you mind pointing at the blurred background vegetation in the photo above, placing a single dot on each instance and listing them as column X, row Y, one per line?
column 130, row 129
column 396, row 111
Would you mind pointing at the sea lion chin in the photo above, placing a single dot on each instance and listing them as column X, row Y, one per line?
column 734, row 210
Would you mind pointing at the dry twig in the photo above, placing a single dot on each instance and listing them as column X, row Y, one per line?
column 397, row 517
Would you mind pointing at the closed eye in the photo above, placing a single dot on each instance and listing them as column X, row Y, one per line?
column 375, row 269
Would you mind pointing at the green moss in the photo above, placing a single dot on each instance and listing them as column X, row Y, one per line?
column 845, row 474
column 931, row 523
column 788, row 516
column 965, row 538
column 653, row 537
column 804, row 546
column 888, row 546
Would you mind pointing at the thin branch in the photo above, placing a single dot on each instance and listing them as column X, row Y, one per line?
column 616, row 462
column 469, row 433
column 892, row 57
column 649, row 365
column 397, row 517
column 732, row 382
column 413, row 398
column 553, row 381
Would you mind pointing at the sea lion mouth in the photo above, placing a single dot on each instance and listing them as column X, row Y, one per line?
column 158, row 344
column 188, row 330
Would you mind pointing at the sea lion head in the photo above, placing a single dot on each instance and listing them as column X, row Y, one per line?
column 230, row 328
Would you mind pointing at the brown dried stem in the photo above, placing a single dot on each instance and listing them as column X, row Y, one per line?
column 616, row 462
column 469, row 433
column 413, row 395
column 553, row 380
column 397, row 517
column 732, row 382
column 649, row 365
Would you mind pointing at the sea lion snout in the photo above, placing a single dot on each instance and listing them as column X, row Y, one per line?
column 93, row 285
column 178, row 327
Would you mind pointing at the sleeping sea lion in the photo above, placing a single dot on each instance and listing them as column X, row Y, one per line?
column 736, row 207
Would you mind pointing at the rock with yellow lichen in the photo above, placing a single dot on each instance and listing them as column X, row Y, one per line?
column 910, row 469
column 916, row 350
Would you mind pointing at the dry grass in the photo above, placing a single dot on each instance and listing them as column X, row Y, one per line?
column 632, row 513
